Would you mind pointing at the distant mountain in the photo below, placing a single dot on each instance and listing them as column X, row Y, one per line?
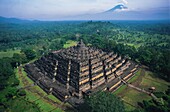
column 122, row 12
column 117, row 8
column 12, row 20
column 118, row 12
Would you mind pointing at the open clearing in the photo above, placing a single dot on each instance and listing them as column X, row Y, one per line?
column 143, row 79
column 70, row 43
column 8, row 53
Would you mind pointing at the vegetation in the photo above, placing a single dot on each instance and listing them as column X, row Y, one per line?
column 12, row 99
column 102, row 102
column 146, row 42
column 34, row 94
column 162, row 106
column 133, row 99
column 8, row 53
column 70, row 43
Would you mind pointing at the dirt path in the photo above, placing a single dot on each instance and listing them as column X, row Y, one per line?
column 34, row 91
column 136, row 83
column 138, row 88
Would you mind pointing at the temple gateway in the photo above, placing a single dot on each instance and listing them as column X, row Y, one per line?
column 79, row 70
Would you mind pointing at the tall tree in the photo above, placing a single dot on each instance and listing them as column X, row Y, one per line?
column 6, row 71
column 30, row 54
column 102, row 102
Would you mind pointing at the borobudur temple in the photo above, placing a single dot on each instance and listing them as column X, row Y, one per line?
column 80, row 70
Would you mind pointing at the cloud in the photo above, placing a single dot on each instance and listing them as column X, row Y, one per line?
column 125, row 1
column 61, row 8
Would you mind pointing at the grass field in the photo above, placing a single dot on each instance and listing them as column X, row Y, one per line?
column 150, row 80
column 70, row 43
column 34, row 96
column 8, row 53
column 142, row 79
column 20, row 104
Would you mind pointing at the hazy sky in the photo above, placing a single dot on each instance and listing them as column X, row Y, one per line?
column 51, row 9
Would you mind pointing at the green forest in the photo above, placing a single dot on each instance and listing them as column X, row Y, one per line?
column 145, row 42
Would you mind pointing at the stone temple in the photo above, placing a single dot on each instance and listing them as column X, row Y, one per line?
column 80, row 70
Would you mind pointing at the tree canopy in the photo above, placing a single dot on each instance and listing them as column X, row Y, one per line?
column 102, row 102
